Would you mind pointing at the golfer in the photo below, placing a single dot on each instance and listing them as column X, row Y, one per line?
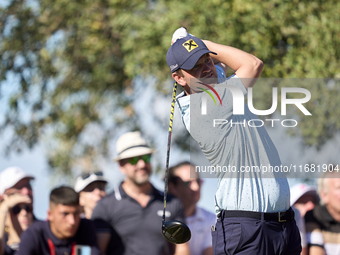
column 252, row 208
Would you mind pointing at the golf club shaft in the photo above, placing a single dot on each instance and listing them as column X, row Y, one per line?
column 168, row 148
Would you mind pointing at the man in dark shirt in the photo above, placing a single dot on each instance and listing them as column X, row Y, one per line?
column 64, row 233
column 129, row 221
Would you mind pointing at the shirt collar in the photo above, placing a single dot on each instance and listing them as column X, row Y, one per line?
column 181, row 95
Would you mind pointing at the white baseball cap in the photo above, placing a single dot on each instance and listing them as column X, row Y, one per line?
column 86, row 179
column 300, row 190
column 11, row 176
column 132, row 144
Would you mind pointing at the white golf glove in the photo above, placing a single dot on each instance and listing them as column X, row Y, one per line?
column 179, row 33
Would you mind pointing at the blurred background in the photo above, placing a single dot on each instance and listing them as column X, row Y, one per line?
column 75, row 75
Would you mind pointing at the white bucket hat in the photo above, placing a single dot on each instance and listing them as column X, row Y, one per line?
column 132, row 144
column 82, row 182
column 11, row 176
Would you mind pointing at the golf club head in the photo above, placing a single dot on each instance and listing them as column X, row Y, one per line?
column 176, row 232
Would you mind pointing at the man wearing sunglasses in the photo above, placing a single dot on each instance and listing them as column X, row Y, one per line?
column 16, row 208
column 185, row 184
column 91, row 188
column 129, row 220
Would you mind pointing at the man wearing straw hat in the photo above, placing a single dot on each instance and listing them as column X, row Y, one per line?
column 128, row 221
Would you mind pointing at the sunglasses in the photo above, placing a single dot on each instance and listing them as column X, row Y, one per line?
column 17, row 209
column 188, row 183
column 87, row 175
column 95, row 185
column 178, row 180
column 134, row 160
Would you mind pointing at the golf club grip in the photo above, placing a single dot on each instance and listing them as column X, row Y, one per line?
column 168, row 148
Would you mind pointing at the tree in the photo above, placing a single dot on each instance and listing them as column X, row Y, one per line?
column 74, row 65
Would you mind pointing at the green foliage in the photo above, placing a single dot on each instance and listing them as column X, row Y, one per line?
column 74, row 64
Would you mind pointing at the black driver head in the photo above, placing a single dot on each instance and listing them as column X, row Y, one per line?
column 176, row 232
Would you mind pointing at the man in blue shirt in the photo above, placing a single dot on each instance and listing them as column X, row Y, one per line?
column 185, row 184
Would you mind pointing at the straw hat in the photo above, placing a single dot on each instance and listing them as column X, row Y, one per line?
column 132, row 144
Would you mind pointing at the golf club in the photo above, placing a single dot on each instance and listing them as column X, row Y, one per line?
column 174, row 231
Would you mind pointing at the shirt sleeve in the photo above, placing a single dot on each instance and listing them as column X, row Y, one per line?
column 28, row 243
column 315, row 238
column 313, row 231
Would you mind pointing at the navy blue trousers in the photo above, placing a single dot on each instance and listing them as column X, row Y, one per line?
column 243, row 235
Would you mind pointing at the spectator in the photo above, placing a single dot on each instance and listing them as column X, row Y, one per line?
column 185, row 184
column 302, row 199
column 91, row 188
column 131, row 216
column 64, row 232
column 323, row 222
column 16, row 208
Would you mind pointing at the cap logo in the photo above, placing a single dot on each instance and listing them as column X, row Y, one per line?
column 190, row 45
column 172, row 67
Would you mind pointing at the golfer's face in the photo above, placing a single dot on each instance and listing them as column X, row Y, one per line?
column 137, row 169
column 204, row 71
column 64, row 220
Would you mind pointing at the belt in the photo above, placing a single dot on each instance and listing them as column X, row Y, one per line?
column 276, row 216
